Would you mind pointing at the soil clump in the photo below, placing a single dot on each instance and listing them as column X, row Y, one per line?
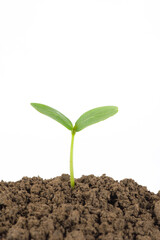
column 97, row 208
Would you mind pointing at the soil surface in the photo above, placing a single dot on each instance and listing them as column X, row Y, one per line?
column 97, row 208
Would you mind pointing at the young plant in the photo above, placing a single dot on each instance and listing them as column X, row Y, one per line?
column 88, row 118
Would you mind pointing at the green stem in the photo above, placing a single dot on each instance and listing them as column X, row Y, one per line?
column 71, row 161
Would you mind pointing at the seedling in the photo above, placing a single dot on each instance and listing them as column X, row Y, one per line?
column 88, row 118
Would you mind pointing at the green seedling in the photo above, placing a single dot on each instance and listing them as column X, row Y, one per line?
column 88, row 118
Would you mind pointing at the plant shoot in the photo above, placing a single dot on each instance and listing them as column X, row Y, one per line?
column 88, row 118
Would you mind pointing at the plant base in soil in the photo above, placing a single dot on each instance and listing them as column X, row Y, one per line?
column 97, row 208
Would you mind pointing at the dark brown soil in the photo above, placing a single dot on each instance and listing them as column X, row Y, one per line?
column 97, row 208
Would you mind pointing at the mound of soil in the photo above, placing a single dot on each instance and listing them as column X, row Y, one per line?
column 97, row 208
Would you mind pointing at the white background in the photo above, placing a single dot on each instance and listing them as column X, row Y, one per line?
column 74, row 56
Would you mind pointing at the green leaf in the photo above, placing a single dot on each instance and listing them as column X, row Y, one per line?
column 53, row 113
column 94, row 116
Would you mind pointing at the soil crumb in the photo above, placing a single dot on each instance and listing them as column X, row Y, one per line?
column 97, row 208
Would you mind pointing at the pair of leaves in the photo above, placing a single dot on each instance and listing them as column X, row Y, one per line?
column 88, row 118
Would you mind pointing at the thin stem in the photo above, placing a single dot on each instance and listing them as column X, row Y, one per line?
column 71, row 161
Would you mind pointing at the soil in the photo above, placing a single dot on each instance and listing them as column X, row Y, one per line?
column 97, row 208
